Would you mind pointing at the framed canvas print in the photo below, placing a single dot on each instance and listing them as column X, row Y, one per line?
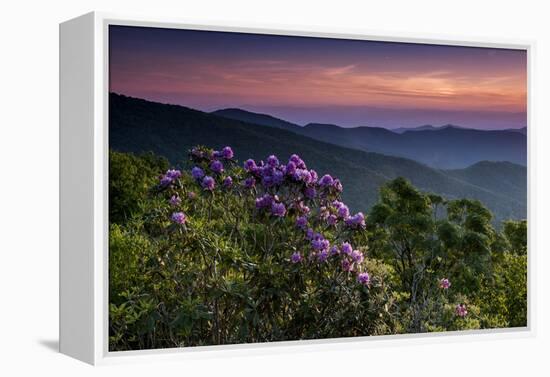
column 239, row 187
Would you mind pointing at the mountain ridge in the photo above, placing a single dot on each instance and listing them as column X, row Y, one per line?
column 446, row 147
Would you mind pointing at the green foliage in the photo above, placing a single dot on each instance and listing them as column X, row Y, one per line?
column 131, row 178
column 225, row 275
column 516, row 234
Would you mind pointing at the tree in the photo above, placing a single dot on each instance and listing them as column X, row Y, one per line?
column 427, row 239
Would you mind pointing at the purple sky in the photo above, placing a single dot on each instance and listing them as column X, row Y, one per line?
column 302, row 80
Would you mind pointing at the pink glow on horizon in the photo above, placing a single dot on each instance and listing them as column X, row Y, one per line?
column 213, row 74
column 284, row 83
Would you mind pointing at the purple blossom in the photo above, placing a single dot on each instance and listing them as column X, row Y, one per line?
column 356, row 221
column 347, row 248
column 332, row 220
column 216, row 166
column 278, row 177
column 326, row 180
column 175, row 200
column 278, row 209
column 310, row 192
column 363, row 278
column 208, row 183
column 273, row 161
column 264, row 201
column 173, row 174
column 301, row 222
column 227, row 153
column 337, row 204
column 179, row 218
column 444, row 283
column 334, row 250
column 310, row 234
column 303, row 175
column 357, row 256
column 319, row 243
column 197, row 173
column 250, row 182
column 290, row 168
column 271, row 176
column 297, row 161
column 347, row 265
column 296, row 257
column 322, row 256
column 250, row 165
column 267, row 180
column 227, row 182
column 461, row 310
column 165, row 181
column 191, row 195
column 343, row 211
column 314, row 175
column 196, row 152
column 337, row 185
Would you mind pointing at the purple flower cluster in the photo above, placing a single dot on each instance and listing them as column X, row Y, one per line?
column 211, row 167
column 461, row 310
column 326, row 181
column 363, row 278
column 332, row 220
column 319, row 243
column 250, row 182
column 357, row 256
column 264, row 201
column 208, row 183
column 216, row 166
column 274, row 174
column 342, row 210
column 303, row 184
column 169, row 177
column 356, row 221
column 179, row 218
column 250, row 166
column 175, row 200
column 322, row 256
column 227, row 182
column 173, row 174
column 197, row 173
column 444, row 283
column 301, row 222
column 278, row 209
column 272, row 204
column 347, row 249
column 351, row 258
column 296, row 257
column 227, row 153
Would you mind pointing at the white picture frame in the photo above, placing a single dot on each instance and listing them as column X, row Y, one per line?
column 84, row 187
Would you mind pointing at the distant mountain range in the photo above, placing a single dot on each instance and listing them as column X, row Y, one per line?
column 136, row 125
column 446, row 147
column 426, row 127
column 429, row 127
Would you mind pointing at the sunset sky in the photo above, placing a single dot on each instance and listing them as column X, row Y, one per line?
column 345, row 82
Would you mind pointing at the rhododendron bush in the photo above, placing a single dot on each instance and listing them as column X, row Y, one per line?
column 223, row 252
